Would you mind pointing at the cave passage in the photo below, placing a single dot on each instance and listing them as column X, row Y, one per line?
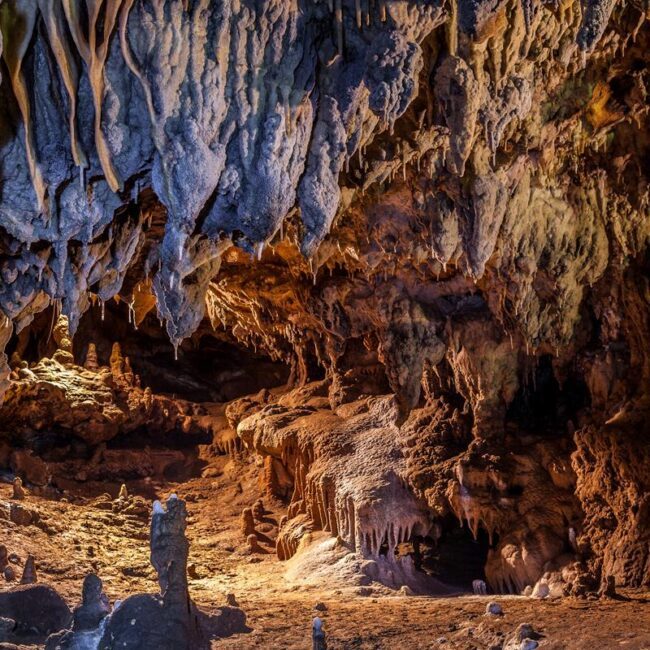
column 455, row 557
column 542, row 405
column 208, row 367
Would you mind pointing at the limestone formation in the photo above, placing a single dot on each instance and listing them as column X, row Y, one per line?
column 608, row 587
column 252, row 544
column 168, row 620
column 91, row 362
column 18, row 490
column 247, row 522
column 95, row 405
column 94, row 605
column 169, row 552
column 258, row 510
column 318, row 638
column 29, row 571
column 479, row 588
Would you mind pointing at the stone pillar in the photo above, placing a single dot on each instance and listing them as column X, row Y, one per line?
column 169, row 553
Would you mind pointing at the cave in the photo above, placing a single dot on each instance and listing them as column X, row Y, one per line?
column 324, row 319
column 454, row 556
column 208, row 367
column 542, row 405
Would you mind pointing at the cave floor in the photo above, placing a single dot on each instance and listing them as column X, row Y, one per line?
column 73, row 538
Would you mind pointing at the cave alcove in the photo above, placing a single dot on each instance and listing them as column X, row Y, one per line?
column 453, row 556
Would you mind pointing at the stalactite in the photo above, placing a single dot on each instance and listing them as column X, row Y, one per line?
column 338, row 19
column 94, row 54
column 452, row 28
column 55, row 22
column 17, row 21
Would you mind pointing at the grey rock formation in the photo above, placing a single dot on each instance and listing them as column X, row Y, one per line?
column 36, row 609
column 232, row 113
column 169, row 620
column 94, row 606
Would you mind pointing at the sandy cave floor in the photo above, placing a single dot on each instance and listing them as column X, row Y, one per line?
column 73, row 539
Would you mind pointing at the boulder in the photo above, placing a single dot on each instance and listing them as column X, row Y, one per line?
column 36, row 609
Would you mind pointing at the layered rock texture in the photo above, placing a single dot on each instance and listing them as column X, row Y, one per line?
column 435, row 215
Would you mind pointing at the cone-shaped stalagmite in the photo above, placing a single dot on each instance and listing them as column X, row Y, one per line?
column 29, row 571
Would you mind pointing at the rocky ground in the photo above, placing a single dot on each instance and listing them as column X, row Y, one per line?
column 72, row 537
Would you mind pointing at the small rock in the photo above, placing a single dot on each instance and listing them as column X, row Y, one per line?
column 529, row 644
column 20, row 515
column 231, row 601
column 524, row 631
column 253, row 544
column 405, row 590
column 494, row 609
column 9, row 574
column 36, row 609
column 540, row 590
column 528, row 591
column 321, row 607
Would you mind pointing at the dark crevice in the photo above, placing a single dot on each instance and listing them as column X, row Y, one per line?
column 207, row 368
column 542, row 406
column 451, row 554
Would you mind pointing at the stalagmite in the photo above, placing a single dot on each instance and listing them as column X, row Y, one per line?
column 18, row 492
column 247, row 522
column 29, row 571
column 91, row 362
column 94, row 605
column 318, row 638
